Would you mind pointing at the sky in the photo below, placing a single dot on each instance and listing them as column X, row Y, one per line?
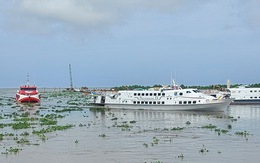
column 129, row 42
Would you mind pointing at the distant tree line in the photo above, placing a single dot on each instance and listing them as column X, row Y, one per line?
column 219, row 86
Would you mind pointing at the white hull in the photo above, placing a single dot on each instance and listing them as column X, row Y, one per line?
column 219, row 106
column 187, row 99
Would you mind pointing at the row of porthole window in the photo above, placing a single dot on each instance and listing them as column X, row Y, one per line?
column 159, row 102
column 255, row 91
column 148, row 102
column 187, row 102
column 149, row 94
column 253, row 97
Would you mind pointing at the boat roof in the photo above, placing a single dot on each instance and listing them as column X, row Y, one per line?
column 28, row 86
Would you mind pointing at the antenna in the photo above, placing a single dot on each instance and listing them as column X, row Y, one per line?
column 71, row 85
column 27, row 80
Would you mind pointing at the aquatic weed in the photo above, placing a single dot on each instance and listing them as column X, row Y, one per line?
column 203, row 150
column 12, row 150
column 102, row 135
column 242, row 133
column 210, row 126
column 177, row 128
column 21, row 125
column 145, row 145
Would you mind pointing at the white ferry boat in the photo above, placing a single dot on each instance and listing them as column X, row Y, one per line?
column 245, row 95
column 162, row 99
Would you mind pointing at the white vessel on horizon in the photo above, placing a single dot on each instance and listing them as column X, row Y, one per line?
column 245, row 95
column 173, row 98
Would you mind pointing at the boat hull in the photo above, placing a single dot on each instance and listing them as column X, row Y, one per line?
column 27, row 98
column 213, row 106
column 246, row 102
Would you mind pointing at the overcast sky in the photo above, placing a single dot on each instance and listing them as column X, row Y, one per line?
column 126, row 42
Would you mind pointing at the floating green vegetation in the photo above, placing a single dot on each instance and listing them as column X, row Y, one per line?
column 53, row 116
column 26, row 114
column 42, row 108
column 21, row 125
column 145, row 145
column 188, row 123
column 25, row 133
column 42, row 137
column 72, row 103
column 82, row 125
column 114, row 119
column 1, row 137
column 97, row 109
column 221, row 131
column 12, row 150
column 210, row 126
column 132, row 121
column 177, row 128
column 155, row 141
column 203, row 150
column 26, row 119
column 181, row 156
column 47, row 121
column 69, row 110
column 102, row 135
column 242, row 133
column 23, row 141
column 52, row 129
column 9, row 134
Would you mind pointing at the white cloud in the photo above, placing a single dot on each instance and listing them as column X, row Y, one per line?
column 46, row 16
column 57, row 16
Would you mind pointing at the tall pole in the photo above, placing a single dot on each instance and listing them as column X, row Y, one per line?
column 71, row 85
column 27, row 80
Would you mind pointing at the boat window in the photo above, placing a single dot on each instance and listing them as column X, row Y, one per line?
column 162, row 102
column 151, row 94
column 154, row 102
column 180, row 102
column 142, row 94
column 138, row 94
column 158, row 102
column 159, row 94
column 251, row 91
column 181, row 94
column 28, row 89
column 134, row 94
column 146, row 102
column 146, row 94
column 138, row 102
column 194, row 102
column 150, row 102
column 184, row 102
column 154, row 94
column 163, row 94
column 188, row 91
column 134, row 102
column 189, row 102
column 196, row 91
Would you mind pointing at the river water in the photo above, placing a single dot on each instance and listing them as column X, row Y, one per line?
column 130, row 136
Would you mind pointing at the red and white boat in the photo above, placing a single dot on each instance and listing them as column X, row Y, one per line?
column 28, row 94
